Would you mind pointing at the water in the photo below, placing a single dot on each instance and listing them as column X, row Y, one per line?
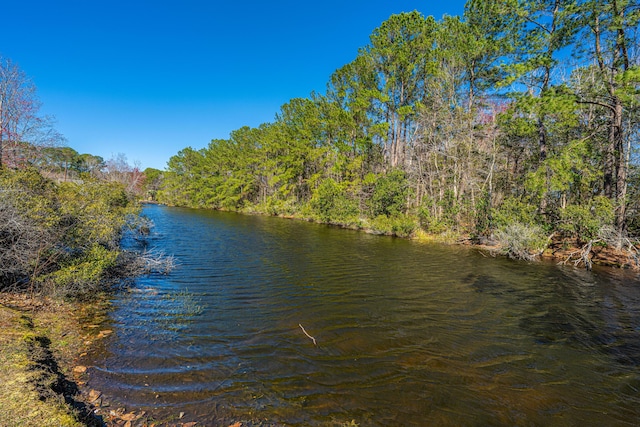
column 408, row 334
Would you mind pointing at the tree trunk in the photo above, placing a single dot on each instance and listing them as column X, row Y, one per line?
column 621, row 168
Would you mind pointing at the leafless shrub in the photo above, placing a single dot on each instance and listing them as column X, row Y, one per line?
column 156, row 262
column 23, row 247
column 135, row 263
column 521, row 241
column 614, row 238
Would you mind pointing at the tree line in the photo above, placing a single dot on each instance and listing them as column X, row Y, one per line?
column 519, row 117
column 516, row 122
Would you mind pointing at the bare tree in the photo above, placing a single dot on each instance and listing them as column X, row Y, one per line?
column 22, row 129
column 118, row 169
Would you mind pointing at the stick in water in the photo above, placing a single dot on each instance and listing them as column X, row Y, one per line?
column 305, row 332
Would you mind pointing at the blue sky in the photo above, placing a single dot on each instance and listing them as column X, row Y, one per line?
column 148, row 78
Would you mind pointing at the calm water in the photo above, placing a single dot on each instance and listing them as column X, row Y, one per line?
column 408, row 334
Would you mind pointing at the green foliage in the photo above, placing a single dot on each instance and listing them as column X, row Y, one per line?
column 466, row 122
column 399, row 225
column 277, row 207
column 31, row 193
column 483, row 212
column 331, row 204
column 429, row 221
column 93, row 212
column 153, row 182
column 390, row 192
column 59, row 238
column 442, row 212
column 80, row 276
column 515, row 211
column 585, row 221
column 568, row 170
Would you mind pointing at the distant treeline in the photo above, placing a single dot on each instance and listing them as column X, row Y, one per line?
column 517, row 121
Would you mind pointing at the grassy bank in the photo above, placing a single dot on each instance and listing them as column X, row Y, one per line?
column 40, row 340
column 43, row 385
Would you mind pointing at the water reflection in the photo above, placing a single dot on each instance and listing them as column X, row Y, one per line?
column 407, row 333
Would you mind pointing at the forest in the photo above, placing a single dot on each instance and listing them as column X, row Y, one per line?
column 516, row 123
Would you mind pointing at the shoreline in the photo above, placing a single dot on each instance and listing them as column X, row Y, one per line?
column 561, row 251
column 43, row 342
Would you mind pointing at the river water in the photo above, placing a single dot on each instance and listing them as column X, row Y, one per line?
column 406, row 333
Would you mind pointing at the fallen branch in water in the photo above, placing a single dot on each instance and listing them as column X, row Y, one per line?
column 305, row 332
column 583, row 255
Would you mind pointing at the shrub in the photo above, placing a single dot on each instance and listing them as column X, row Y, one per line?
column 399, row 225
column 277, row 207
column 521, row 241
column 390, row 192
column 82, row 275
column 483, row 213
column 61, row 238
column 21, row 241
column 34, row 196
column 513, row 210
column 93, row 212
column 430, row 223
column 331, row 204
column 585, row 221
column 404, row 225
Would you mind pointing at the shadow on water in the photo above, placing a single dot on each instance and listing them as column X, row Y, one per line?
column 407, row 333
column 573, row 308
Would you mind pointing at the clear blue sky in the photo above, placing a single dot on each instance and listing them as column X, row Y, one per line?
column 148, row 78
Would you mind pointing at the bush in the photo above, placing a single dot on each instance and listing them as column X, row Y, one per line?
column 390, row 192
column 34, row 196
column 82, row 275
column 277, row 207
column 430, row 223
column 330, row 204
column 482, row 211
column 440, row 216
column 521, row 241
column 21, row 240
column 60, row 238
column 93, row 212
column 513, row 210
column 399, row 225
column 585, row 221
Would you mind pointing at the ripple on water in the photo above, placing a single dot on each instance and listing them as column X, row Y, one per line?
column 407, row 333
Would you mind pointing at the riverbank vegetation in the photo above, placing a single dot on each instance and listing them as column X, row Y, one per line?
column 59, row 246
column 62, row 214
column 515, row 125
column 60, row 239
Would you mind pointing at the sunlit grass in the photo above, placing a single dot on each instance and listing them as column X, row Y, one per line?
column 20, row 403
